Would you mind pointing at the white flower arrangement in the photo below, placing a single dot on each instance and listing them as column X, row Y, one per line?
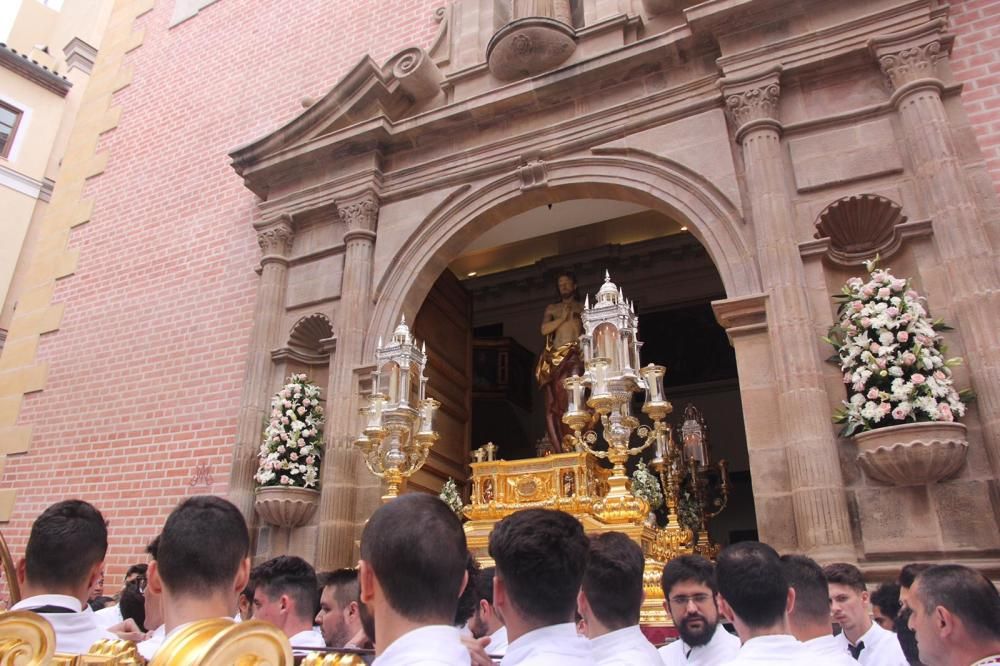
column 293, row 438
column 892, row 356
column 450, row 496
column 646, row 486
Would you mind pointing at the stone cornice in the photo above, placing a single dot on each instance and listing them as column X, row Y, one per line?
column 752, row 101
column 31, row 70
column 743, row 315
column 80, row 55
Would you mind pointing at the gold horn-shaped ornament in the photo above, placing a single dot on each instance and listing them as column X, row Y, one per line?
column 9, row 573
column 223, row 642
column 26, row 639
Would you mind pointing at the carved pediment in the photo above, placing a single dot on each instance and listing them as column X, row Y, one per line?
column 408, row 83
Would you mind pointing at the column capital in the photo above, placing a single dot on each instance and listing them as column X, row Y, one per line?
column 360, row 214
column 752, row 101
column 275, row 240
column 911, row 56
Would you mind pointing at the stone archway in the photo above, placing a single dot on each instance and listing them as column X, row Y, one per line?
column 627, row 175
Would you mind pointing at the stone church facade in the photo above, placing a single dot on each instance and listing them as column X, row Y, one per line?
column 793, row 140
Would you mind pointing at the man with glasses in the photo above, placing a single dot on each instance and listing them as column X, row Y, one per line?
column 690, row 591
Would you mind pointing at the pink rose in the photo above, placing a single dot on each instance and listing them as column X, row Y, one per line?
column 902, row 336
column 866, row 322
column 868, row 291
column 909, row 358
column 899, row 414
column 940, row 376
column 885, row 407
column 873, row 394
column 884, row 292
column 918, row 379
column 945, row 411
column 310, row 460
column 881, row 363
column 892, row 311
column 857, row 305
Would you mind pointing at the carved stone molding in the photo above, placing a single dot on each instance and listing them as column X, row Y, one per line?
column 529, row 46
column 311, row 341
column 860, row 226
column 753, row 101
column 743, row 315
column 360, row 215
column 417, row 74
column 913, row 55
column 276, row 240
column 533, row 174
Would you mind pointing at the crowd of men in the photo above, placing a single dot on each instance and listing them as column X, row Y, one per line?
column 554, row 597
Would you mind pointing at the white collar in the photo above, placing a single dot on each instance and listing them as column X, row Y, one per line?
column 773, row 642
column 551, row 642
column 498, row 642
column 60, row 600
column 614, row 643
column 435, row 643
column 307, row 638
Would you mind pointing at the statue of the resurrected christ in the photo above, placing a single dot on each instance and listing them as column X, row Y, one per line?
column 562, row 327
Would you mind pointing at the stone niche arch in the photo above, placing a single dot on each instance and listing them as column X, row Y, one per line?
column 627, row 175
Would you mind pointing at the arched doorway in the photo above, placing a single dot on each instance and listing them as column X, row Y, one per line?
column 428, row 284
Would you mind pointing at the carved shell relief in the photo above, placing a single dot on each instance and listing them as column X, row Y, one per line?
column 860, row 226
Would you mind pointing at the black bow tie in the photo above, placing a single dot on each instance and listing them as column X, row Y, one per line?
column 855, row 650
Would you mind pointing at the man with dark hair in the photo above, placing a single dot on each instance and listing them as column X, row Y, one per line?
column 467, row 602
column 868, row 643
column 486, row 621
column 339, row 616
column 809, row 619
column 63, row 559
column 690, row 596
column 907, row 575
column 540, row 557
column 284, row 594
column 755, row 596
column 956, row 616
column 412, row 571
column 885, row 605
column 201, row 563
column 244, row 605
column 153, row 607
column 610, row 600
column 112, row 615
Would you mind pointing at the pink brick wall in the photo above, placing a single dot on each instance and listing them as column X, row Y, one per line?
column 976, row 62
column 145, row 371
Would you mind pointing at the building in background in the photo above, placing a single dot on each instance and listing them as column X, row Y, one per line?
column 258, row 188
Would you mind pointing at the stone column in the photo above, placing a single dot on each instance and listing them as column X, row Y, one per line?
column 818, row 497
column 275, row 242
column 910, row 62
column 337, row 506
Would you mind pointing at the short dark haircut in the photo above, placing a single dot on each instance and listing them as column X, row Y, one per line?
column 133, row 604
column 541, row 555
column 812, row 594
column 484, row 585
column 842, row 573
column 202, row 546
column 752, row 581
column 416, row 546
column 688, row 568
column 153, row 546
column 288, row 575
column 613, row 580
column 886, row 597
column 344, row 583
column 468, row 601
column 66, row 541
column 139, row 569
column 966, row 593
column 907, row 637
column 909, row 573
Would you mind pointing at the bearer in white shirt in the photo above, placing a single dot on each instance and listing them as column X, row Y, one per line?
column 862, row 639
column 755, row 596
column 809, row 619
column 540, row 558
column 412, row 571
column 284, row 594
column 691, row 596
column 63, row 558
column 486, row 621
column 610, row 599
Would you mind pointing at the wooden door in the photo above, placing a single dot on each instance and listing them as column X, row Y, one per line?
column 444, row 322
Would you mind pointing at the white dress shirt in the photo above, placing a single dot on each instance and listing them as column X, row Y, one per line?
column 828, row 647
column 108, row 617
column 76, row 631
column 777, row 650
column 721, row 648
column 433, row 645
column 148, row 647
column 304, row 641
column 624, row 647
column 549, row 646
column 498, row 643
column 881, row 647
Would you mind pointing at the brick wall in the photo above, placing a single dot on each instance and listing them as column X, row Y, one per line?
column 976, row 62
column 140, row 405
